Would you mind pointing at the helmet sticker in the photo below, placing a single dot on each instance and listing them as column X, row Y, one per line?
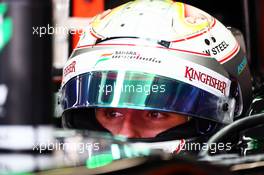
column 104, row 57
column 217, row 49
column 195, row 75
column 69, row 69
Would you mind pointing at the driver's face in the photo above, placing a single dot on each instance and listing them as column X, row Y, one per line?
column 137, row 123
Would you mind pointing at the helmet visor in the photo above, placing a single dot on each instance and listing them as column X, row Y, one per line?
column 137, row 90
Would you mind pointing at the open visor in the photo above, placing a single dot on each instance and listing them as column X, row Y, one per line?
column 137, row 90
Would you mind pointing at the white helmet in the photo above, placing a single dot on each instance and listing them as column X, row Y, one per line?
column 156, row 55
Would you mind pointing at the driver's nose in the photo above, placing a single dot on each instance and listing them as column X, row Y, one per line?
column 128, row 126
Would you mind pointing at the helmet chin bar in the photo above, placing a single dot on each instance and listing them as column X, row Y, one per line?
column 173, row 140
column 195, row 128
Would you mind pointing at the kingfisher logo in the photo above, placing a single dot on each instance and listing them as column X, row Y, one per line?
column 69, row 69
column 193, row 74
column 6, row 26
column 104, row 57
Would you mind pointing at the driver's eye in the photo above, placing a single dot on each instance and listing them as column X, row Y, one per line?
column 113, row 114
column 156, row 115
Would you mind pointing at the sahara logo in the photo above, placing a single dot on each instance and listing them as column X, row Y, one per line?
column 132, row 56
column 6, row 26
column 104, row 57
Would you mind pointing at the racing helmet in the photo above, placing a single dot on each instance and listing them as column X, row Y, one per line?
column 157, row 55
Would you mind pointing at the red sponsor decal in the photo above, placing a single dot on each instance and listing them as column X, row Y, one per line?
column 69, row 69
column 179, row 147
column 193, row 74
